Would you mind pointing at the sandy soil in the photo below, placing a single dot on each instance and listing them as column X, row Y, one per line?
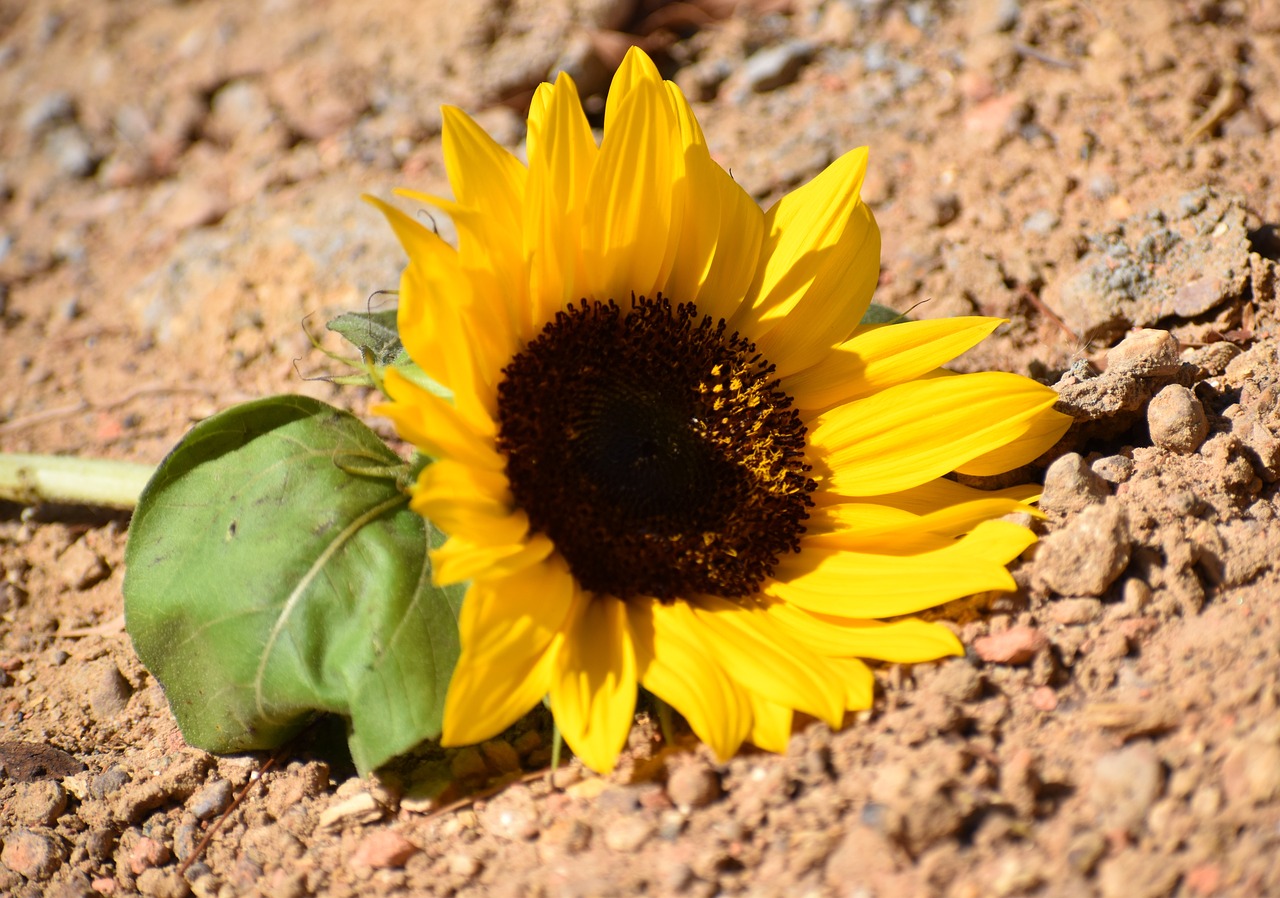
column 179, row 190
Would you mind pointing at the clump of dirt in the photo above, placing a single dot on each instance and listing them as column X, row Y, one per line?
column 179, row 203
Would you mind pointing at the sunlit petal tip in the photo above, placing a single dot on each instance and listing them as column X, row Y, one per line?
column 593, row 684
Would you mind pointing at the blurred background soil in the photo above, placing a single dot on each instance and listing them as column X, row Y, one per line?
column 179, row 206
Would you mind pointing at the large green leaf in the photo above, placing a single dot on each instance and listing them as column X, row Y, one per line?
column 275, row 571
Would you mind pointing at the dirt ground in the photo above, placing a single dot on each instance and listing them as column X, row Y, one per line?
column 179, row 205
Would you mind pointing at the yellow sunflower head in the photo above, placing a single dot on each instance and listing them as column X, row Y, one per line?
column 673, row 457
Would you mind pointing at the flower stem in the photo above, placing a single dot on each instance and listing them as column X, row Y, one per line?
column 32, row 479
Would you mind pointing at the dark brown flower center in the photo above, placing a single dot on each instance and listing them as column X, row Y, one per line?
column 655, row 450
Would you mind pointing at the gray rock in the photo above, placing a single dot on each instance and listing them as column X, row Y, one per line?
column 107, row 782
column 1148, row 352
column 629, row 833
column 111, row 692
column 1113, row 468
column 1040, row 223
column 1070, row 485
column 71, row 151
column 1251, row 772
column 1086, row 556
column 693, row 786
column 57, row 108
column 1176, row 420
column 777, row 66
column 212, row 800
column 1126, row 783
column 1157, row 265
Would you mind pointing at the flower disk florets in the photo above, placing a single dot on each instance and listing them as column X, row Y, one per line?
column 655, row 450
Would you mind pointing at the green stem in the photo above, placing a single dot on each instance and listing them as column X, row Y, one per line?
column 32, row 479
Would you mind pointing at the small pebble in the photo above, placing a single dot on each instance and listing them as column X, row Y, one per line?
column 462, row 864
column 1251, row 772
column 1017, row 645
column 628, row 834
column 107, row 782
column 512, row 818
column 382, row 849
column 1043, row 698
column 1114, row 468
column 1176, row 420
column 33, row 855
column 1138, row 874
column 468, row 763
column 212, row 800
column 943, row 208
column 111, row 692
column 40, row 803
column 157, row 883
column 1040, row 223
column 1070, row 485
column 147, row 853
column 80, row 567
column 359, row 808
column 693, row 786
column 1126, row 783
column 1087, row 555
column 1145, row 353
column 1075, row 611
column 776, row 66
column 51, row 109
column 71, row 151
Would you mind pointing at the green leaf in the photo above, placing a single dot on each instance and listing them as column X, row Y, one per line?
column 275, row 571
column 372, row 331
column 878, row 314
column 376, row 336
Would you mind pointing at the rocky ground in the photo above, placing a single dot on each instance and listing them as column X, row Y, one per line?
column 179, row 188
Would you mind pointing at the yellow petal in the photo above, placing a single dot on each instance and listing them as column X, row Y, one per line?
column 482, row 173
column 912, row 433
column 511, row 629
column 765, row 661
column 470, row 503
column 560, row 162
column 437, row 427
column 676, row 667
column 698, row 211
column 885, row 357
column 485, row 700
column 864, row 585
column 737, row 249
column 459, row 559
column 866, row 527
column 859, row 684
column 771, row 724
column 903, row 642
column 539, row 110
column 636, row 68
column 819, row 266
column 427, row 324
column 941, row 494
column 516, row 615
column 1042, row 431
column 593, row 686
column 628, row 225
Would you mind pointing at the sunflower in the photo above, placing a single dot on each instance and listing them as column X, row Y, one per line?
column 673, row 456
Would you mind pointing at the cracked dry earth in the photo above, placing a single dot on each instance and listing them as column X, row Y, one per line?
column 179, row 190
